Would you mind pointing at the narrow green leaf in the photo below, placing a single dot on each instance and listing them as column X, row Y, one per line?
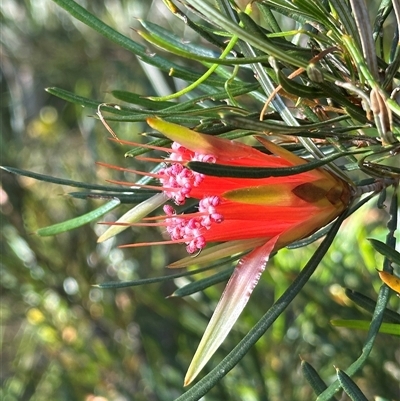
column 220, row 170
column 321, row 130
column 204, row 30
column 313, row 378
column 135, row 283
column 309, row 240
column 369, row 305
column 354, row 111
column 182, row 273
column 222, row 21
column 99, row 26
column 377, row 318
column 78, row 221
column 386, row 328
column 200, row 285
column 384, row 10
column 249, row 122
column 129, row 198
column 165, row 39
column 269, row 17
column 385, row 250
column 315, row 11
column 132, row 115
column 85, row 102
column 350, row 388
column 140, row 117
column 118, row 113
column 252, row 27
column 362, row 67
column 62, row 181
column 134, row 98
column 345, row 16
column 289, row 9
column 179, row 111
column 297, row 89
column 216, row 96
column 139, row 151
column 392, row 71
column 176, row 112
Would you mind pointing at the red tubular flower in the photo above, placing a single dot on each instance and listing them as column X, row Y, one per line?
column 261, row 215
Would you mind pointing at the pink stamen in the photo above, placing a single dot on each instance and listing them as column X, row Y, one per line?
column 108, row 223
column 153, row 218
column 140, row 145
column 208, row 206
column 132, row 184
column 177, row 181
column 153, row 159
column 190, row 228
column 204, row 158
column 128, row 170
column 179, row 177
column 180, row 153
column 149, row 244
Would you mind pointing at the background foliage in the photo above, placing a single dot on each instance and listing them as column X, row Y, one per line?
column 64, row 339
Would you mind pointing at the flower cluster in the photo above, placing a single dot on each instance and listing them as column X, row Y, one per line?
column 241, row 214
column 191, row 230
column 177, row 180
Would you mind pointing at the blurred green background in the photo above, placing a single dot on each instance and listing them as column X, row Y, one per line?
column 62, row 338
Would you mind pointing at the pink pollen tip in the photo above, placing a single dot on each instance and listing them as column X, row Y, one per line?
column 177, row 176
column 190, row 228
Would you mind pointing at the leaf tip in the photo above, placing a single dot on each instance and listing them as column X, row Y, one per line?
column 188, row 379
column 105, row 236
